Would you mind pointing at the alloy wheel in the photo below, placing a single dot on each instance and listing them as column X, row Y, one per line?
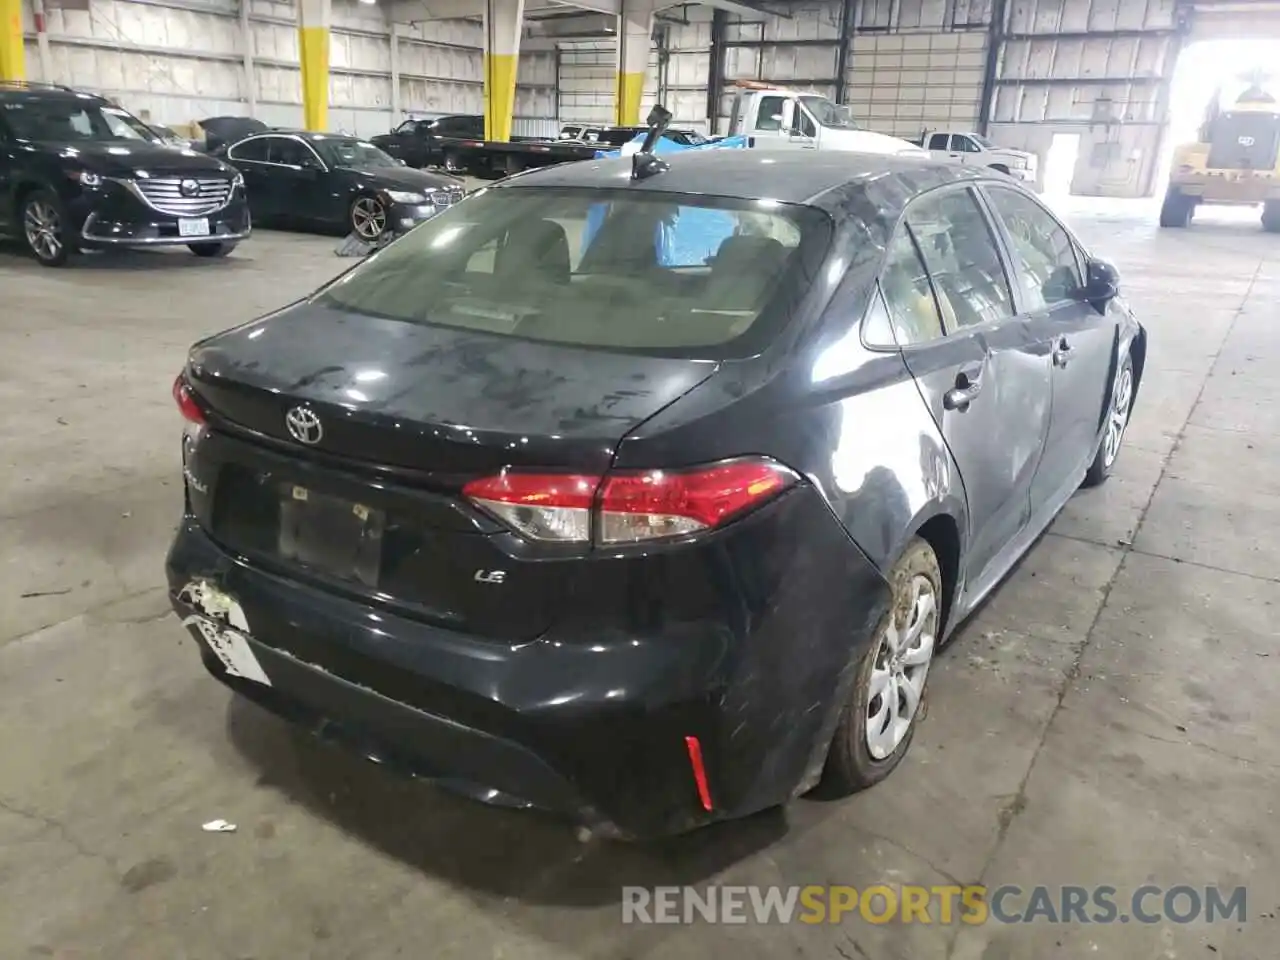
column 368, row 218
column 43, row 228
column 901, row 667
column 1118, row 415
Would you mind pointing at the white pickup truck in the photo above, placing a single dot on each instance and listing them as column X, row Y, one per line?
column 966, row 146
column 773, row 118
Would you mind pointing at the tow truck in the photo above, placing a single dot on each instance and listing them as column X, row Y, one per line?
column 777, row 118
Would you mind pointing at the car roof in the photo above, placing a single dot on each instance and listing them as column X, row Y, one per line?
column 788, row 177
column 20, row 90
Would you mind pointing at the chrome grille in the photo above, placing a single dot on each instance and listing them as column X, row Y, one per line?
column 166, row 195
column 447, row 197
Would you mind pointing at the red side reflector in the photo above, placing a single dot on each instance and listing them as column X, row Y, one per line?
column 699, row 771
column 187, row 405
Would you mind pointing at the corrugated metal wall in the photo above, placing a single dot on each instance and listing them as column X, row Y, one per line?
column 1096, row 69
column 181, row 60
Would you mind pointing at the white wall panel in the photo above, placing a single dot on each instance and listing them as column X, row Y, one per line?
column 1110, row 89
column 181, row 60
column 905, row 83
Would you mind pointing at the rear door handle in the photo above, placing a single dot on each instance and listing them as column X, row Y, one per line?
column 1061, row 353
column 968, row 386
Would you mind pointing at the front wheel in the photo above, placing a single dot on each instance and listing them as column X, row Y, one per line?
column 1271, row 216
column 1113, row 432
column 44, row 226
column 879, row 721
column 1177, row 210
column 212, row 249
column 368, row 218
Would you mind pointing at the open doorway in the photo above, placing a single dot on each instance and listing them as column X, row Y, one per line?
column 1060, row 164
column 1206, row 69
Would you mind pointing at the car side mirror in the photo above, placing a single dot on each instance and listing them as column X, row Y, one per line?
column 788, row 116
column 1101, row 283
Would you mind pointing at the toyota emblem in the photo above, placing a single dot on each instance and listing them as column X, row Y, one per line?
column 189, row 188
column 304, row 426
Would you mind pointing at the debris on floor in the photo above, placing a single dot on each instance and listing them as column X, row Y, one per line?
column 219, row 826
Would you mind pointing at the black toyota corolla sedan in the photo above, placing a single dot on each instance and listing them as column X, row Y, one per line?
column 326, row 181
column 648, row 500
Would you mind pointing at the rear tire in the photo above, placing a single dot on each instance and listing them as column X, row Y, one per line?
column 43, row 222
column 1118, row 412
column 212, row 248
column 451, row 163
column 873, row 735
column 1271, row 217
column 1177, row 210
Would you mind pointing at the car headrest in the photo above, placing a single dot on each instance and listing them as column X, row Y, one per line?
column 534, row 250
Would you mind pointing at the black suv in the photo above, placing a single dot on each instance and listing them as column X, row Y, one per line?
column 77, row 172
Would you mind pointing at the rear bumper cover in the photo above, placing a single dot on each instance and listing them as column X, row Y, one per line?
column 591, row 726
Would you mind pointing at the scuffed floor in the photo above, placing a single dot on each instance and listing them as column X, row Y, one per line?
column 1110, row 717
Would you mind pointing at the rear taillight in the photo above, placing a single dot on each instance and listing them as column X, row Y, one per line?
column 629, row 506
column 187, row 405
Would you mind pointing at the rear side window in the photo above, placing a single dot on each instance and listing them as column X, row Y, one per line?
column 957, row 245
column 249, row 150
column 611, row 269
column 1044, row 258
column 908, row 295
column 938, row 141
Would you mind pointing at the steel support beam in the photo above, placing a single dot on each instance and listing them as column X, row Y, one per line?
column 995, row 47
column 503, row 24
column 848, row 17
column 314, row 17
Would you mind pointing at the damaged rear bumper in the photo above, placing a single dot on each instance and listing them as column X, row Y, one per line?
column 595, row 728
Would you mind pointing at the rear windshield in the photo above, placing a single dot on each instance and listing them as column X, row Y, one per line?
column 620, row 269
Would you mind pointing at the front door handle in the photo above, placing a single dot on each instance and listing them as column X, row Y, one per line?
column 968, row 386
column 1061, row 353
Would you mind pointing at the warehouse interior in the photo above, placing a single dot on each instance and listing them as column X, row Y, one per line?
column 1106, row 719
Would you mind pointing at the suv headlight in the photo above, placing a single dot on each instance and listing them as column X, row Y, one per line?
column 87, row 178
column 403, row 196
column 1018, row 163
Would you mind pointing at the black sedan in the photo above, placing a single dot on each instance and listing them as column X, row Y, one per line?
column 323, row 181
column 648, row 500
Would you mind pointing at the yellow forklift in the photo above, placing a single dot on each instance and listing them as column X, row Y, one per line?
column 1235, row 161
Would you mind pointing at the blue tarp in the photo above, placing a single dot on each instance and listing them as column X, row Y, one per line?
column 693, row 234
column 670, row 146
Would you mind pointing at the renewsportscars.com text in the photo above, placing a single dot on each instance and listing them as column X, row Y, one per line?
column 974, row 905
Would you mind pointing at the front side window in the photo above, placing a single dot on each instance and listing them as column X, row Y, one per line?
column 964, row 144
column 406, row 127
column 66, row 120
column 1044, row 258
column 908, row 295
column 961, row 254
column 612, row 269
column 827, row 113
column 938, row 141
column 770, row 115
column 805, row 125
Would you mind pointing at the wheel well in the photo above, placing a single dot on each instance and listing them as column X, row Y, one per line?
column 1138, row 357
column 1000, row 166
column 20, row 193
column 942, row 533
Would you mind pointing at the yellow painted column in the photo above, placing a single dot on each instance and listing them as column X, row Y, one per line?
column 13, row 64
column 313, row 55
column 503, row 23
column 635, row 33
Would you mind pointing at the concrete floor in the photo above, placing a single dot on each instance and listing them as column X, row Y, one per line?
column 1109, row 718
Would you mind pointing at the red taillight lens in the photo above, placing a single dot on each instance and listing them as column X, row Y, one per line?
column 187, row 405
column 541, row 506
column 629, row 506
column 659, row 503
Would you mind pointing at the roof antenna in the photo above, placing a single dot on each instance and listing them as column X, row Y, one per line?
column 644, row 164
